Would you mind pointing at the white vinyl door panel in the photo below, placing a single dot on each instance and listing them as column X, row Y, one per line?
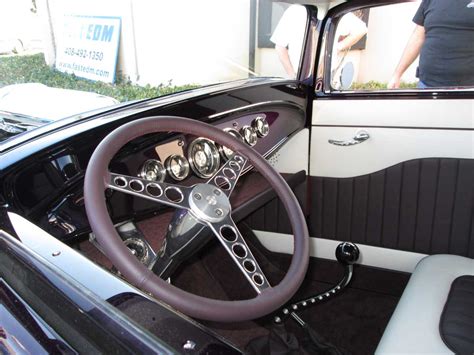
column 385, row 147
column 423, row 113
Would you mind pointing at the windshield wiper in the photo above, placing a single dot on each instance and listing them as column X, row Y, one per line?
column 12, row 124
column 14, row 128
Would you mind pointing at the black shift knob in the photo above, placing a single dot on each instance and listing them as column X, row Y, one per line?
column 347, row 253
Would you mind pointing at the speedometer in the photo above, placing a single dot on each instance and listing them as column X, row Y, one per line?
column 203, row 157
column 177, row 167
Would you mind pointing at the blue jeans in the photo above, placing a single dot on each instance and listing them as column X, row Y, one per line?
column 421, row 85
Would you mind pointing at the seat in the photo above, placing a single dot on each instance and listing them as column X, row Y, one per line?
column 414, row 326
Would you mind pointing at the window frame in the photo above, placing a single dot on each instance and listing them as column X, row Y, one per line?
column 323, row 87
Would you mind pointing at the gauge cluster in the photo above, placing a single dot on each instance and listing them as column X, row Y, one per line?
column 201, row 157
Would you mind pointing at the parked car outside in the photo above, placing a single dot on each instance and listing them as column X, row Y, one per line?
column 43, row 101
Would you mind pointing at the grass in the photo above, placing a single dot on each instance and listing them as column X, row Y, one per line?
column 33, row 69
column 376, row 85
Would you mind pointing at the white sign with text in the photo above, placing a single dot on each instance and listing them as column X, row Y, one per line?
column 89, row 47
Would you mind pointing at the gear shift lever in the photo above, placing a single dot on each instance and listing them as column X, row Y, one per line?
column 346, row 254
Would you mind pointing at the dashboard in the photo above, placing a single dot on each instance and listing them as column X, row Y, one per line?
column 49, row 190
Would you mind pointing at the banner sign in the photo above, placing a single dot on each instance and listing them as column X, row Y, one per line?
column 89, row 47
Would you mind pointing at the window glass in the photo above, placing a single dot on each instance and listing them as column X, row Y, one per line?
column 415, row 45
column 281, row 29
column 64, row 58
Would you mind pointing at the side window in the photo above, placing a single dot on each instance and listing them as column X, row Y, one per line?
column 414, row 45
column 281, row 31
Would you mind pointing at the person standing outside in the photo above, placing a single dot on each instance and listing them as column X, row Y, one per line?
column 444, row 40
column 288, row 38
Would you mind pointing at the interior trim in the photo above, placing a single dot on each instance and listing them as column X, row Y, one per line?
column 386, row 147
column 323, row 248
column 411, row 113
column 292, row 157
column 66, row 259
column 422, row 206
column 379, row 126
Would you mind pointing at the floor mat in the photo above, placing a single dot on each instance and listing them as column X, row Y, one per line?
column 354, row 320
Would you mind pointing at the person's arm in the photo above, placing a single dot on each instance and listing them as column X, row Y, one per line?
column 359, row 30
column 285, row 60
column 411, row 52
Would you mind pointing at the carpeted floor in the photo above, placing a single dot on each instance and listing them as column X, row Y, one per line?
column 353, row 321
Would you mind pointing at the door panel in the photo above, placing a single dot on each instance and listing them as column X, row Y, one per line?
column 422, row 112
column 421, row 205
column 385, row 147
column 408, row 187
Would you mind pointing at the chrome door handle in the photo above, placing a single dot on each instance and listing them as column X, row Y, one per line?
column 360, row 137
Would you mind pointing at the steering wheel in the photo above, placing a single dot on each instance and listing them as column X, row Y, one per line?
column 209, row 204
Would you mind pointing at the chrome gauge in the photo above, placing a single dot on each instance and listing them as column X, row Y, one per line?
column 226, row 152
column 177, row 167
column 249, row 134
column 203, row 157
column 261, row 126
column 152, row 170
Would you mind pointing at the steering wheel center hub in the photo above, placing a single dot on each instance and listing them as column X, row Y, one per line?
column 209, row 203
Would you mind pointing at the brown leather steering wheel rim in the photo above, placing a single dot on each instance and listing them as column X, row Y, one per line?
column 140, row 275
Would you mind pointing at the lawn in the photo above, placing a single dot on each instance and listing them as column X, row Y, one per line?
column 33, row 69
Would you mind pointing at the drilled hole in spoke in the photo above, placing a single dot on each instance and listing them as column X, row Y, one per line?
column 249, row 265
column 222, row 182
column 239, row 250
column 174, row 194
column 234, row 166
column 136, row 185
column 239, row 159
column 120, row 181
column 154, row 190
column 229, row 173
column 228, row 233
column 258, row 279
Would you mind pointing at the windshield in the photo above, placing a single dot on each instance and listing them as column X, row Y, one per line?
column 62, row 58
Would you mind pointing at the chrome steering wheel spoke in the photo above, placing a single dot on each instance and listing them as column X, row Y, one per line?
column 227, row 176
column 233, row 242
column 168, row 194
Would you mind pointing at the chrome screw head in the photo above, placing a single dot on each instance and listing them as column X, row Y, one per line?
column 197, row 196
column 219, row 212
column 189, row 345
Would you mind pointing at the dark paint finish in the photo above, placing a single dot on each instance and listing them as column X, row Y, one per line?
column 72, row 313
column 21, row 329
